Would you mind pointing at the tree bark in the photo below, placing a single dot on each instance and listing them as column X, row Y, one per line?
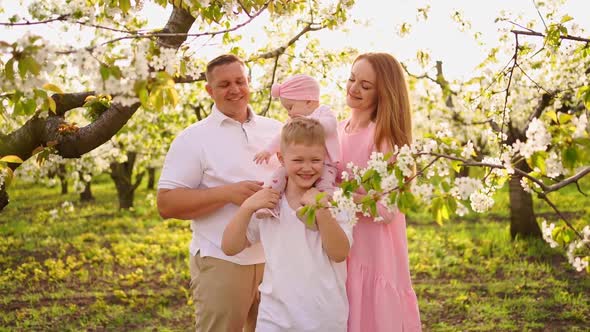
column 151, row 178
column 3, row 197
column 86, row 195
column 40, row 132
column 61, row 174
column 122, row 174
column 523, row 222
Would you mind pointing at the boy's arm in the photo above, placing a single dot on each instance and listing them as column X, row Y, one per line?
column 234, row 236
column 334, row 240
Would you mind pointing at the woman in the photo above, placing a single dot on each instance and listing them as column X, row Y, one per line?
column 379, row 287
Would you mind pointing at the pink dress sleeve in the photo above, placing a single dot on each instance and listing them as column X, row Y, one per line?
column 328, row 120
column 275, row 145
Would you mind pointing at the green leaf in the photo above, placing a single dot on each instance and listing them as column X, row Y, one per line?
column 310, row 217
column 11, row 159
column 29, row 106
column 52, row 87
column 104, row 72
column 9, row 69
column 566, row 18
column 538, row 160
column 569, row 157
column 319, row 197
column 552, row 115
column 51, row 104
column 564, row 118
column 125, row 5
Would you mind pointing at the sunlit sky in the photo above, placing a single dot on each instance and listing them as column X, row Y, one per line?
column 458, row 50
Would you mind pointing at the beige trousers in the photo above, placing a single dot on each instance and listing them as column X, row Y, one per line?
column 225, row 294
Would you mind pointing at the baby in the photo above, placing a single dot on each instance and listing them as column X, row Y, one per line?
column 300, row 95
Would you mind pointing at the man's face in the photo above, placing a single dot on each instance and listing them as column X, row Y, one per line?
column 303, row 163
column 228, row 86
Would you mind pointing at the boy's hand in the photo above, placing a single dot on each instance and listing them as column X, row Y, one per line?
column 262, row 156
column 309, row 196
column 240, row 191
column 265, row 198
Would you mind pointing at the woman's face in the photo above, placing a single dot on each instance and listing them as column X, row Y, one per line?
column 361, row 89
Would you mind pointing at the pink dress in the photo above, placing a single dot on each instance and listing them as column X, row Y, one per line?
column 378, row 286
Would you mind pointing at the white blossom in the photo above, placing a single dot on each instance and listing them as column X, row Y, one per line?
column 547, row 230
column 468, row 150
column 465, row 186
column 553, row 165
column 581, row 124
column 481, row 202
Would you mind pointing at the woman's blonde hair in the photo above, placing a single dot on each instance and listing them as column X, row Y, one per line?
column 303, row 131
column 393, row 121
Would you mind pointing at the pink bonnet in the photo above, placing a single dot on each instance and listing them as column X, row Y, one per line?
column 297, row 87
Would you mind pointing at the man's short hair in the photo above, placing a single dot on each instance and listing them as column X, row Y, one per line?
column 220, row 61
column 303, row 131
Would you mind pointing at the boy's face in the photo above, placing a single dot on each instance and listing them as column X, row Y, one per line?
column 303, row 163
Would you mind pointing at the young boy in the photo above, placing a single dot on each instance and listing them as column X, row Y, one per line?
column 303, row 287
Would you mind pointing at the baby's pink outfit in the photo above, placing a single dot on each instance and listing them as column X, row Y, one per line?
column 378, row 286
column 327, row 180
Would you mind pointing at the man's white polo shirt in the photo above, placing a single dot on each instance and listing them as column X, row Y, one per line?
column 213, row 152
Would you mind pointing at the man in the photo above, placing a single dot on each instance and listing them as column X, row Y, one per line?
column 208, row 172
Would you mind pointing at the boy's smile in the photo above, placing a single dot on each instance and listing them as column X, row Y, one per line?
column 303, row 163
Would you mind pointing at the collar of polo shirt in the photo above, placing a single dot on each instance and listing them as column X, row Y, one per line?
column 220, row 118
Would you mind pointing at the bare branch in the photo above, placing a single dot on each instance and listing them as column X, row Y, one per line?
column 281, row 50
column 272, row 80
column 25, row 23
column 538, row 34
column 562, row 217
column 541, row 16
column 572, row 179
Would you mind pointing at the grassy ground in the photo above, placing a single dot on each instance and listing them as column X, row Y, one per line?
column 97, row 268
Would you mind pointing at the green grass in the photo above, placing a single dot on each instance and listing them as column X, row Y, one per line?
column 97, row 268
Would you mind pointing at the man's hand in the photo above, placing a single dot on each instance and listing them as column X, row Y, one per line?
column 240, row 191
column 265, row 198
column 262, row 156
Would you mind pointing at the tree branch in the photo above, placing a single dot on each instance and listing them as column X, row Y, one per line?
column 538, row 34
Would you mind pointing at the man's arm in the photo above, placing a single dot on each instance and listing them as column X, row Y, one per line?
column 186, row 203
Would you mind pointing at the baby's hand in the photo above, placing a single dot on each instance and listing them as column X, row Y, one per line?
column 262, row 156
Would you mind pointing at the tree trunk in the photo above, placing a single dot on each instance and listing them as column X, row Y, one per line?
column 151, row 178
column 523, row 222
column 61, row 174
column 86, row 195
column 3, row 196
column 122, row 174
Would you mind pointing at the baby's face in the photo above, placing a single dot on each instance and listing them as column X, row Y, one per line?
column 298, row 108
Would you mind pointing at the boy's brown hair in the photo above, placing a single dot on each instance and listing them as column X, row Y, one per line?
column 303, row 131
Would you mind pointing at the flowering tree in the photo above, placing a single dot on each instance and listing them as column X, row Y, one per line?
column 533, row 135
column 135, row 67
